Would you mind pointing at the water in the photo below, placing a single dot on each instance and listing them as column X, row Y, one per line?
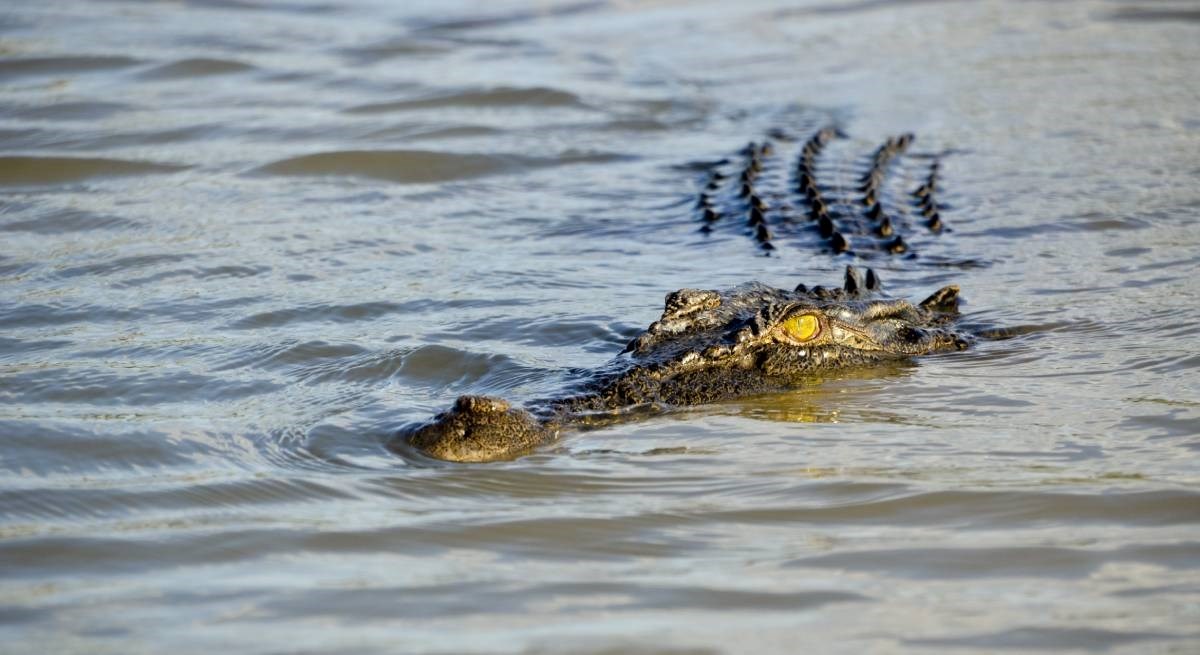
column 244, row 243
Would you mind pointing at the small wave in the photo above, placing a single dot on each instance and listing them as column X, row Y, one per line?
column 69, row 111
column 1156, row 14
column 1046, row 639
column 16, row 349
column 196, row 67
column 581, row 332
column 120, row 265
column 48, row 448
column 504, row 96
column 415, row 132
column 420, row 166
column 203, row 273
column 60, row 221
column 368, row 369
column 36, row 171
column 27, row 315
column 393, row 48
column 458, row 599
column 66, row 503
column 33, row 66
column 1172, row 423
column 476, row 21
column 35, row 139
column 357, row 312
column 288, row 355
column 861, row 6
column 317, row 313
column 635, row 125
column 988, row 510
column 1081, row 224
column 1034, row 562
column 195, row 309
column 443, row 367
column 94, row 386
column 1167, row 363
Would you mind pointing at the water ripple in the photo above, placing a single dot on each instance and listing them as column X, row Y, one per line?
column 533, row 597
column 138, row 387
column 70, row 219
column 196, row 67
column 122, row 264
column 25, row 315
column 421, row 166
column 37, row 171
column 70, row 64
column 1046, row 562
column 494, row 97
column 69, row 111
column 50, row 503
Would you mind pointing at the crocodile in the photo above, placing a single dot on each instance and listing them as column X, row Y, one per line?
column 710, row 345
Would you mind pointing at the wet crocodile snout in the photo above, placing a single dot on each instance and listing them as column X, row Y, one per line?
column 480, row 429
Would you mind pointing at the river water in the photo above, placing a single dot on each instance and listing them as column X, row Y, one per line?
column 243, row 243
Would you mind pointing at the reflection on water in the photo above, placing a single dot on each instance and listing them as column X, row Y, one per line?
column 242, row 244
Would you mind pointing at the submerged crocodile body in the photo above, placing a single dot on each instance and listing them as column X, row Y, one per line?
column 714, row 345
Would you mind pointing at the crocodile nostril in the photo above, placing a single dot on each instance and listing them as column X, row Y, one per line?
column 910, row 334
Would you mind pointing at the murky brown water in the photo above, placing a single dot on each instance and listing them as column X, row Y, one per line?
column 242, row 243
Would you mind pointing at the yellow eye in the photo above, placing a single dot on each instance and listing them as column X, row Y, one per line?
column 803, row 327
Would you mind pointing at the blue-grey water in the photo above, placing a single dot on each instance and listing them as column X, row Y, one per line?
column 243, row 243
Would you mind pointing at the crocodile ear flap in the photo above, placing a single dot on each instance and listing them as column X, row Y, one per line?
column 873, row 281
column 857, row 284
column 943, row 300
column 854, row 282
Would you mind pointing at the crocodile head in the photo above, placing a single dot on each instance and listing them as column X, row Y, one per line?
column 712, row 345
column 709, row 346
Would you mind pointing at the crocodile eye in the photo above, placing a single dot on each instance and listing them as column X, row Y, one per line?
column 802, row 327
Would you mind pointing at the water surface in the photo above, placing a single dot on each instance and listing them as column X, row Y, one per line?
column 244, row 243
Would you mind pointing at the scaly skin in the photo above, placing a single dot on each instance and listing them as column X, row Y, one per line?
column 709, row 346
